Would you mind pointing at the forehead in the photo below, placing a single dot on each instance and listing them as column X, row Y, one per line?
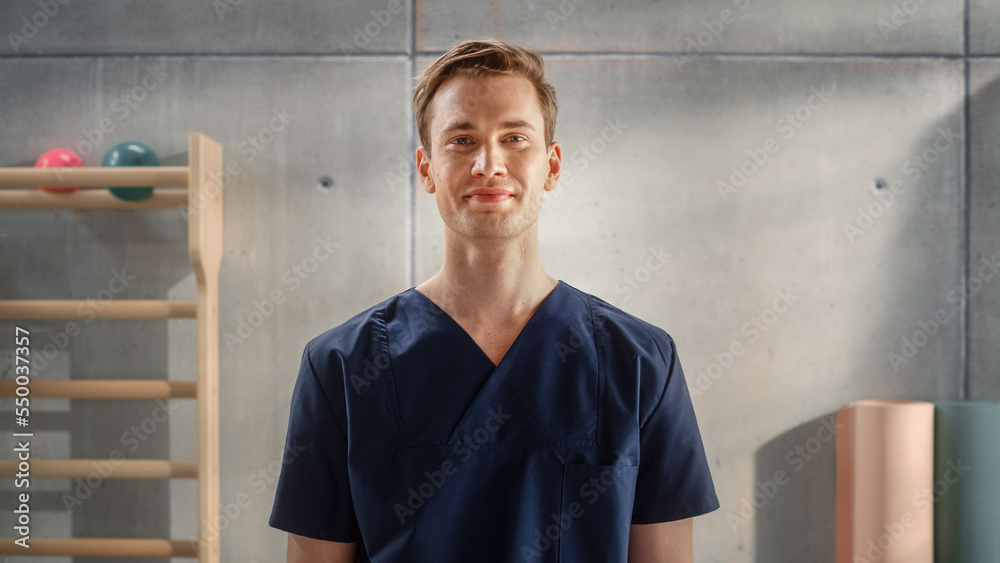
column 496, row 98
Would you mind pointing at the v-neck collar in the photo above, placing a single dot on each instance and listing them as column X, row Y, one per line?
column 512, row 348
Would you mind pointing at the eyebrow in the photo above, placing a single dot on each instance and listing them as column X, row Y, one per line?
column 467, row 126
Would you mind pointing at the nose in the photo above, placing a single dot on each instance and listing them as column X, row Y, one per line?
column 488, row 161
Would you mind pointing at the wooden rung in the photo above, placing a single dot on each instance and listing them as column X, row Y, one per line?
column 101, row 547
column 90, row 199
column 105, row 389
column 85, row 309
column 105, row 468
column 94, row 176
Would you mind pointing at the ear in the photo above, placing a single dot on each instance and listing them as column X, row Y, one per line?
column 555, row 166
column 424, row 169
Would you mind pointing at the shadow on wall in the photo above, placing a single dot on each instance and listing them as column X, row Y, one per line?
column 793, row 507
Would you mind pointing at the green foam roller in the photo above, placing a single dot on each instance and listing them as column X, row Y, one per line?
column 966, row 482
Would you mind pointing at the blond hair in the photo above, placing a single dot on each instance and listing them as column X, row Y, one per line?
column 478, row 58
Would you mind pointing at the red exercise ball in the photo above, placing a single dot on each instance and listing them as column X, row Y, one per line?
column 57, row 158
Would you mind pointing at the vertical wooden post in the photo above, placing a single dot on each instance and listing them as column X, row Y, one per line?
column 205, row 247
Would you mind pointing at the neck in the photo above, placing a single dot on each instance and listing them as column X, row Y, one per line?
column 490, row 278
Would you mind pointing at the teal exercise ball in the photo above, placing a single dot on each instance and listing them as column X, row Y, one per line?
column 131, row 153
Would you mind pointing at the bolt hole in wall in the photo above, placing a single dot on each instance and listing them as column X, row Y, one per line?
column 324, row 184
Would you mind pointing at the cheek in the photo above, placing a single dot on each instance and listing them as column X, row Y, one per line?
column 451, row 169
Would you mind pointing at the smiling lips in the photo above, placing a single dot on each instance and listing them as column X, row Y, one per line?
column 489, row 195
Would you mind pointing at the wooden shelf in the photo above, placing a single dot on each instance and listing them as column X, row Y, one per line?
column 194, row 189
column 106, row 389
column 102, row 547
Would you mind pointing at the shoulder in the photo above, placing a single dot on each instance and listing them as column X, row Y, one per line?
column 356, row 337
column 639, row 357
column 625, row 332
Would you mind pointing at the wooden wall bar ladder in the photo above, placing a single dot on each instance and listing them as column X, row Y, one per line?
column 202, row 197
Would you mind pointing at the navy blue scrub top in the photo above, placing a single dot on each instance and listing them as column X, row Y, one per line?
column 405, row 436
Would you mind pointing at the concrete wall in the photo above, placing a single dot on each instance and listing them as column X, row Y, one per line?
column 871, row 215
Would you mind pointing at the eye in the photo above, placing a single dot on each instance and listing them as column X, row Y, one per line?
column 466, row 138
column 515, row 135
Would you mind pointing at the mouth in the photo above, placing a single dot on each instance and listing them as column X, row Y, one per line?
column 489, row 195
column 489, row 198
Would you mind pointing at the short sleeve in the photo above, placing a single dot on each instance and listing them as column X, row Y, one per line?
column 674, row 481
column 313, row 495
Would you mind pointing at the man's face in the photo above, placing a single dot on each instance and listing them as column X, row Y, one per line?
column 488, row 133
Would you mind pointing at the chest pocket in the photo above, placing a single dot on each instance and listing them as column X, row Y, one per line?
column 596, row 512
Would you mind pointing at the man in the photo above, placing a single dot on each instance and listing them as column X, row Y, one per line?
column 492, row 413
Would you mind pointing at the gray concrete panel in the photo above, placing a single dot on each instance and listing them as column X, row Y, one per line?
column 983, row 293
column 818, row 278
column 984, row 33
column 713, row 26
column 300, row 256
column 194, row 27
